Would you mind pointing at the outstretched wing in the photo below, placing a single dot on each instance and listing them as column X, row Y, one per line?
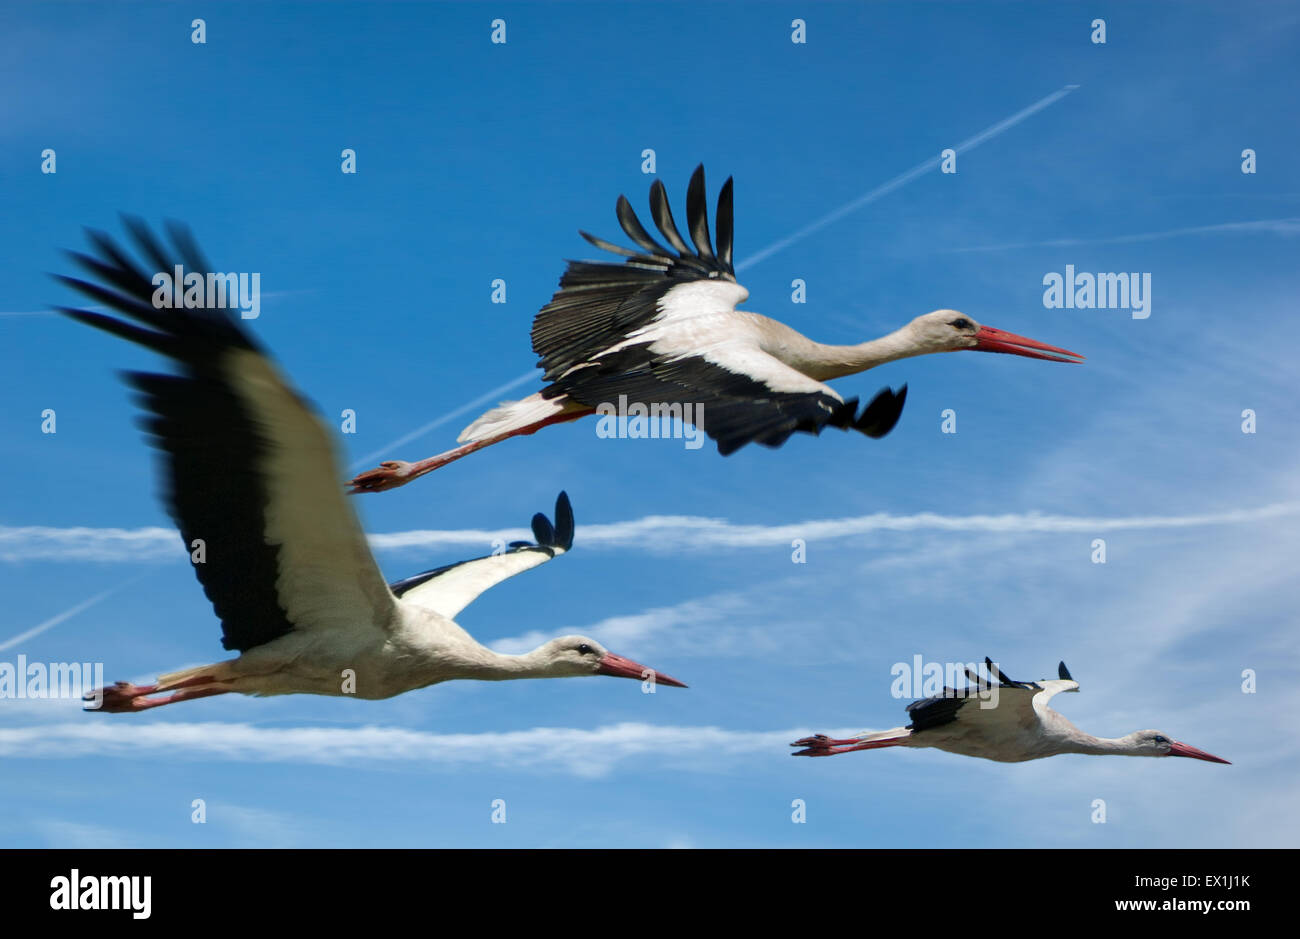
column 1019, row 702
column 659, row 329
column 599, row 304
column 252, row 476
column 737, row 392
column 448, row 590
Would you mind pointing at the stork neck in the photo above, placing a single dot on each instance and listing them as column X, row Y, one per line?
column 1087, row 743
column 837, row 361
column 486, row 665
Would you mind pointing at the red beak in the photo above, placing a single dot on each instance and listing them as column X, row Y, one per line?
column 988, row 339
column 620, row 667
column 1182, row 749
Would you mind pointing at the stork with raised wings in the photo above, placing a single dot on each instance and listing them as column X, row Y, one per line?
column 1004, row 720
column 252, row 474
column 662, row 329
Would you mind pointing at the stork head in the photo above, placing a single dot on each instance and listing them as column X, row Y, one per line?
column 951, row 331
column 576, row 656
column 1154, row 743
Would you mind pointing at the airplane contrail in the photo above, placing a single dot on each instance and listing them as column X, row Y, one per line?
column 386, row 449
column 1270, row 226
column 902, row 179
column 67, row 614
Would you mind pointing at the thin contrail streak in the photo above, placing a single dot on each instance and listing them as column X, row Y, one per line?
column 1272, row 226
column 387, row 448
column 988, row 133
column 66, row 614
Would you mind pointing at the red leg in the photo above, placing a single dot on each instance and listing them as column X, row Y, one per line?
column 393, row 473
column 126, row 698
column 821, row 740
column 820, row 745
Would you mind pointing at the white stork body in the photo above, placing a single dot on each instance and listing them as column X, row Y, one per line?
column 252, row 475
column 1000, row 719
column 663, row 328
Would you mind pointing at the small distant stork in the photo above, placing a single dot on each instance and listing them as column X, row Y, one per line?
column 662, row 329
column 251, row 474
column 1019, row 727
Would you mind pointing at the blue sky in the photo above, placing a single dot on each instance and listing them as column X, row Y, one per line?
column 478, row 161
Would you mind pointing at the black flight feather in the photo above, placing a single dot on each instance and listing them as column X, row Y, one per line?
column 662, row 213
column 697, row 214
column 724, row 224
column 632, row 225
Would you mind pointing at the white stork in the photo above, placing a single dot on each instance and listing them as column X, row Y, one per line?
column 1018, row 727
column 252, row 474
column 662, row 328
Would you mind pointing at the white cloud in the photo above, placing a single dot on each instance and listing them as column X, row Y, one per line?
column 60, row 833
column 636, row 629
column 587, row 753
column 653, row 532
column 257, row 827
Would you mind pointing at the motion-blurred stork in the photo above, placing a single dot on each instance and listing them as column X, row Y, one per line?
column 1004, row 720
column 662, row 329
column 252, row 475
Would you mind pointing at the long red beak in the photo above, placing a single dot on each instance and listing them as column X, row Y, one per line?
column 620, row 667
column 1182, row 749
column 989, row 339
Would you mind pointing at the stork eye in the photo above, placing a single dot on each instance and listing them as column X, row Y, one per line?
column 585, row 649
column 962, row 323
column 1160, row 739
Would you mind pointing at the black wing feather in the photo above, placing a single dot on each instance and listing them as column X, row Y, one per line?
column 211, row 445
column 662, row 213
column 942, row 708
column 632, row 225
column 600, row 303
column 725, row 225
column 737, row 409
column 697, row 215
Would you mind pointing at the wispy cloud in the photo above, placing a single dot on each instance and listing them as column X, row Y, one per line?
column 257, row 827
column 1287, row 227
column 651, row 533
column 636, row 629
column 587, row 753
column 60, row 833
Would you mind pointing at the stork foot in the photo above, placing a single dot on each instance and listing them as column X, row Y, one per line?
column 118, row 696
column 126, row 698
column 388, row 475
column 821, row 745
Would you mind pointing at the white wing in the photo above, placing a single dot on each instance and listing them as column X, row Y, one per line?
column 448, row 590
